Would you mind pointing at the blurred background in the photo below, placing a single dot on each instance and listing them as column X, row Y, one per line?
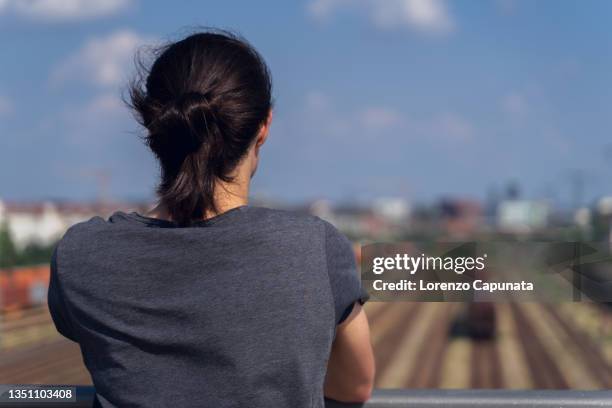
column 394, row 120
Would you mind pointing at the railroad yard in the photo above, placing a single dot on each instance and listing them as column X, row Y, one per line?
column 544, row 346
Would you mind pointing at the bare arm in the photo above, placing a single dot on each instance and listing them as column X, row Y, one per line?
column 351, row 367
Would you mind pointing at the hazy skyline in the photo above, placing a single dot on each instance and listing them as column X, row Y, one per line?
column 410, row 98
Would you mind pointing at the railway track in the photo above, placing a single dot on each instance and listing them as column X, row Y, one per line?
column 486, row 367
column 544, row 371
column 537, row 346
column 417, row 352
column 589, row 351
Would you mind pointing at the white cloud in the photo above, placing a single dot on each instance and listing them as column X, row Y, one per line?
column 380, row 118
column 372, row 122
column 317, row 100
column 515, row 104
column 95, row 121
column 105, row 61
column 425, row 15
column 451, row 127
column 102, row 110
column 104, row 105
column 428, row 16
column 63, row 10
column 6, row 106
column 439, row 127
column 321, row 9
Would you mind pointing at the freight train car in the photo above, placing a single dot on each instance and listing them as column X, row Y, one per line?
column 23, row 287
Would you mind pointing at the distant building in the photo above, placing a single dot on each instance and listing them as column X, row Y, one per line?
column 603, row 219
column 583, row 217
column 45, row 222
column 522, row 216
column 384, row 217
column 460, row 217
column 354, row 221
column 392, row 209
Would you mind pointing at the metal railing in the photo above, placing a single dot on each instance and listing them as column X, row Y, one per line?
column 404, row 398
column 483, row 398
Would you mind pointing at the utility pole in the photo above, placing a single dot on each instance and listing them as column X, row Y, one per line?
column 101, row 179
column 102, row 184
column 577, row 179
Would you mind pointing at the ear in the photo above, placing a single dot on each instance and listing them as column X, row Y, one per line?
column 263, row 132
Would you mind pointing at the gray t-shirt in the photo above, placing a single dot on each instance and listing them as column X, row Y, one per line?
column 236, row 311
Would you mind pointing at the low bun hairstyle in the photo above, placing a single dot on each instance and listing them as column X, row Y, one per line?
column 203, row 101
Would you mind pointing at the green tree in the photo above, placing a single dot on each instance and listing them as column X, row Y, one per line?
column 34, row 254
column 8, row 253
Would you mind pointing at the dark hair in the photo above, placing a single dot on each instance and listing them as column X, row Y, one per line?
column 202, row 101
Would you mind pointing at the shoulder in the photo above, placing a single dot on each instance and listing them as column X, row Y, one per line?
column 285, row 217
column 298, row 225
column 96, row 224
column 83, row 228
column 79, row 234
column 334, row 239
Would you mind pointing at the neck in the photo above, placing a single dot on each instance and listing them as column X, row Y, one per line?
column 228, row 195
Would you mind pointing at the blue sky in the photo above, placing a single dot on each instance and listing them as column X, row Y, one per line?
column 411, row 98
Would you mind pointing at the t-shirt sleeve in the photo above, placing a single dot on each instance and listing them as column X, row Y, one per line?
column 57, row 303
column 343, row 275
